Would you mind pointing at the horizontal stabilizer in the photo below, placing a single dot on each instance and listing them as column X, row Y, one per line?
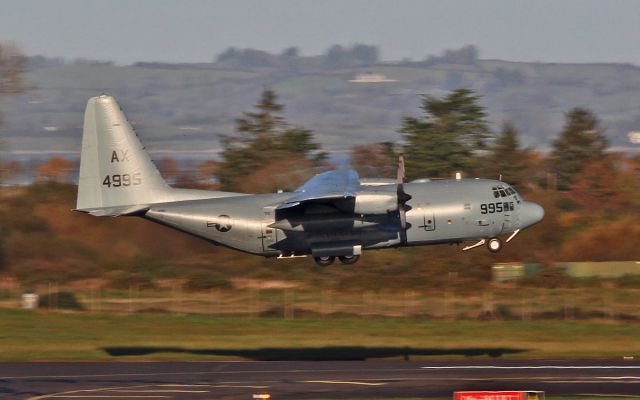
column 115, row 211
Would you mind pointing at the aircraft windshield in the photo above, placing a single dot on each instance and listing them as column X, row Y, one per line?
column 502, row 191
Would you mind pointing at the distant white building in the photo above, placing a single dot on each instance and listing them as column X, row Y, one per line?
column 634, row 137
column 371, row 78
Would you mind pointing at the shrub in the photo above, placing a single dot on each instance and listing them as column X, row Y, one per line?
column 206, row 279
column 60, row 300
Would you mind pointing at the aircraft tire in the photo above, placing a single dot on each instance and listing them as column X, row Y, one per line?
column 349, row 260
column 494, row 244
column 324, row 261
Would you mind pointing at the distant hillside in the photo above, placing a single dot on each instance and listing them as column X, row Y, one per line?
column 188, row 106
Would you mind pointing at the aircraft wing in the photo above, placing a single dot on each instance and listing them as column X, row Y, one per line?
column 324, row 187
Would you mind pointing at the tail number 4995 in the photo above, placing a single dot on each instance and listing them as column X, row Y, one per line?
column 118, row 180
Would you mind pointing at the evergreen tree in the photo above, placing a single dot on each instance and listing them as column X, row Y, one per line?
column 263, row 136
column 446, row 138
column 507, row 159
column 13, row 65
column 580, row 141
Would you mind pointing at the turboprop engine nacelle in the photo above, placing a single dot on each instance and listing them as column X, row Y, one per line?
column 370, row 202
column 321, row 223
column 375, row 202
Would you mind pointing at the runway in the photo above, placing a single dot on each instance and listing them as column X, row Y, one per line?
column 312, row 380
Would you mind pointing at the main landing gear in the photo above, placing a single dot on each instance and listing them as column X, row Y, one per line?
column 349, row 260
column 325, row 261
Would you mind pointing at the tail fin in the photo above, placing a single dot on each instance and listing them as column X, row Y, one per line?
column 117, row 175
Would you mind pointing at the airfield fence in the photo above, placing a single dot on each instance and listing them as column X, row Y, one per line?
column 490, row 304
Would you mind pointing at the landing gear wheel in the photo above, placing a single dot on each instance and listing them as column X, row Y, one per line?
column 494, row 244
column 348, row 260
column 324, row 261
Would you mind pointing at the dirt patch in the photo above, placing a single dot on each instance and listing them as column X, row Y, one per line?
column 246, row 283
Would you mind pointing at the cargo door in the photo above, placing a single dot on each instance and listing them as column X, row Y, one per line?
column 509, row 219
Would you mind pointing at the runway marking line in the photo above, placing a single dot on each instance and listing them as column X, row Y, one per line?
column 138, row 389
column 240, row 386
column 294, row 371
column 80, row 393
column 590, row 381
column 536, row 367
column 101, row 396
column 626, row 396
column 618, row 377
column 157, row 391
column 348, row 383
column 221, row 384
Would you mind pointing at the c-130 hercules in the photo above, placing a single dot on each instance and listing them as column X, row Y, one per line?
column 333, row 215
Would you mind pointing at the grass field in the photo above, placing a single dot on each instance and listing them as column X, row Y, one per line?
column 42, row 335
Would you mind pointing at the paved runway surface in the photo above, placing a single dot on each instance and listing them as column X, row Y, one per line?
column 308, row 380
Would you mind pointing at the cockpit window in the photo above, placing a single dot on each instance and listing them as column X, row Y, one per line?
column 502, row 191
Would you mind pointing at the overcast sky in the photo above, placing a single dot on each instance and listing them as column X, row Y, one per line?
column 126, row 31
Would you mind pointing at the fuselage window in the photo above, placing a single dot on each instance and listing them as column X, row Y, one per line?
column 496, row 194
column 502, row 193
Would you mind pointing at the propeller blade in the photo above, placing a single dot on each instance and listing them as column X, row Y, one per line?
column 403, row 218
column 400, row 176
column 403, row 197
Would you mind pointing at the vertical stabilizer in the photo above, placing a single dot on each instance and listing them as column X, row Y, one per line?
column 115, row 169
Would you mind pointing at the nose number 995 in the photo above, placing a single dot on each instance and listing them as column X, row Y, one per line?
column 491, row 208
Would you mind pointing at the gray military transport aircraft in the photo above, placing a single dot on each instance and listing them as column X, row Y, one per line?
column 333, row 215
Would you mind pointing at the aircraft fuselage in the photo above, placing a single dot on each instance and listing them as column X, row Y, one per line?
column 440, row 211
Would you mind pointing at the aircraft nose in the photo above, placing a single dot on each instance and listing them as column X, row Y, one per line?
column 530, row 214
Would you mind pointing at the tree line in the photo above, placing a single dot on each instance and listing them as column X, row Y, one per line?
column 450, row 134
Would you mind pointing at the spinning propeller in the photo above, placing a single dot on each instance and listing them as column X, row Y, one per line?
column 403, row 197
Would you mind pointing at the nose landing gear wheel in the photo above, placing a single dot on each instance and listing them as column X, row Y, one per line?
column 324, row 261
column 494, row 245
column 348, row 260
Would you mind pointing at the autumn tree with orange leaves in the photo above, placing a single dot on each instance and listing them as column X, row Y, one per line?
column 56, row 169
